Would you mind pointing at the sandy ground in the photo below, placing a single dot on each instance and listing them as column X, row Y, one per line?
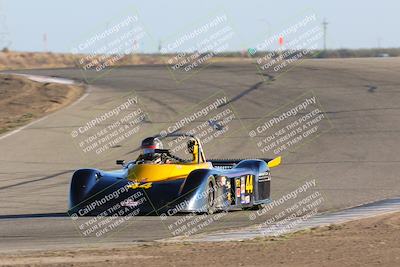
column 22, row 100
column 367, row 242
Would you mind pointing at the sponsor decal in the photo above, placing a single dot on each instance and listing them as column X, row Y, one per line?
column 130, row 203
column 264, row 177
column 228, row 184
column 242, row 185
column 243, row 199
column 247, row 199
column 238, row 192
column 223, row 181
column 139, row 185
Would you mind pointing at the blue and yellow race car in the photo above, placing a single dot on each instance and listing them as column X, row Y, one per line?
column 158, row 182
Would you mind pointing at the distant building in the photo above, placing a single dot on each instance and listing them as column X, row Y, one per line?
column 383, row 55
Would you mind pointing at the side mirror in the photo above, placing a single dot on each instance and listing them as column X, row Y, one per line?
column 120, row 162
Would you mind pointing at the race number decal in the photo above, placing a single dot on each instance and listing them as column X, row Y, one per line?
column 249, row 184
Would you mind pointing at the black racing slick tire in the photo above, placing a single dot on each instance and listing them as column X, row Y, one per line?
column 211, row 195
column 255, row 207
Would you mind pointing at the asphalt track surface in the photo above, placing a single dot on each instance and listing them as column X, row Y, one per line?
column 356, row 161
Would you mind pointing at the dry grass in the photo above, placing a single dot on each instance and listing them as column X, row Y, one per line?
column 35, row 60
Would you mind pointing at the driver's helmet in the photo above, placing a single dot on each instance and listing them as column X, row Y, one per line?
column 150, row 144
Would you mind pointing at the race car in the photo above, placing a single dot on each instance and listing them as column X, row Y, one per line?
column 159, row 182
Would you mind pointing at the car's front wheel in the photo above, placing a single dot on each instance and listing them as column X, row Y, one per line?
column 211, row 195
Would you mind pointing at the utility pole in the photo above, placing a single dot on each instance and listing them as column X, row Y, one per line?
column 45, row 42
column 325, row 25
column 378, row 40
column 159, row 46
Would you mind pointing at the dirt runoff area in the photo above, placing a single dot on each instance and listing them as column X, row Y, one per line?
column 22, row 100
column 36, row 60
column 368, row 242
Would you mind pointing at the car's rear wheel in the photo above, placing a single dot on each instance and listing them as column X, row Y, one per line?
column 211, row 195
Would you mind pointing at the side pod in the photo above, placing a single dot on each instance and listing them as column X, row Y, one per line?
column 82, row 182
column 194, row 189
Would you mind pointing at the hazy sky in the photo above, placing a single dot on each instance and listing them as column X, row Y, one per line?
column 352, row 23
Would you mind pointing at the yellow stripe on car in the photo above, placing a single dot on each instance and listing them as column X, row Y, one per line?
column 163, row 172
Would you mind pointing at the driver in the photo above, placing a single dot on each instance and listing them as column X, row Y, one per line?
column 148, row 155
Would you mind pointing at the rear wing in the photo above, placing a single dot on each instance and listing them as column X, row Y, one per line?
column 230, row 163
